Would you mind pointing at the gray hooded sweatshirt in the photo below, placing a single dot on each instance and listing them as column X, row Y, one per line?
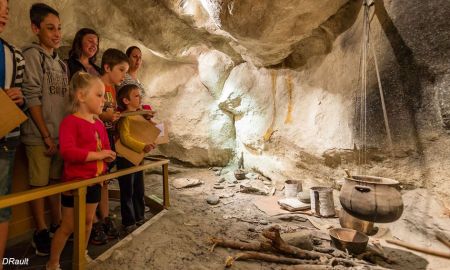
column 46, row 84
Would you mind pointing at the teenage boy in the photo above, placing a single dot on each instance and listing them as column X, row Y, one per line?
column 46, row 89
column 12, row 65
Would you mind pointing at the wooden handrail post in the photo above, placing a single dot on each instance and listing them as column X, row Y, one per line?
column 79, row 230
column 165, row 171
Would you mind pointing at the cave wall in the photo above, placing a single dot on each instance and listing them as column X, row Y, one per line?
column 278, row 80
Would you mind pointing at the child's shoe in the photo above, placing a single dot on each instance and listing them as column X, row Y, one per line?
column 141, row 222
column 129, row 229
column 98, row 236
column 110, row 228
column 41, row 242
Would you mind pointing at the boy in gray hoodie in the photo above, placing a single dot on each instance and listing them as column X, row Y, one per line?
column 46, row 89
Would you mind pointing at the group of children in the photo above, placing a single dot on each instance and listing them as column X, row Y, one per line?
column 74, row 144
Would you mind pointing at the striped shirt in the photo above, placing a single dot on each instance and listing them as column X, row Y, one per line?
column 14, row 72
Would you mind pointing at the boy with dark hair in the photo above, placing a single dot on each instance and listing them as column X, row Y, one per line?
column 12, row 65
column 114, row 67
column 46, row 89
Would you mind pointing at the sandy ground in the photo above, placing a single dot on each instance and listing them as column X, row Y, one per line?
column 179, row 239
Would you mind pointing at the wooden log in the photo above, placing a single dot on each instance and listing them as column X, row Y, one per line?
column 419, row 248
column 273, row 234
column 253, row 255
column 236, row 244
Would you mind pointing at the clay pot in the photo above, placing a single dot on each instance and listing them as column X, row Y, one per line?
column 239, row 174
column 348, row 221
column 372, row 198
column 349, row 240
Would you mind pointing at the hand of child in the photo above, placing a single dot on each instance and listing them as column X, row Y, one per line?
column 15, row 94
column 107, row 155
column 52, row 148
column 116, row 116
column 149, row 147
column 107, row 115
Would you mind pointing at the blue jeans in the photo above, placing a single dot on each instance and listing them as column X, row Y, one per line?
column 6, row 171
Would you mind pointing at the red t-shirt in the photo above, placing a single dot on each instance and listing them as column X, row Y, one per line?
column 78, row 137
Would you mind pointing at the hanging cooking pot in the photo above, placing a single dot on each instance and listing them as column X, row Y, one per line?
column 371, row 198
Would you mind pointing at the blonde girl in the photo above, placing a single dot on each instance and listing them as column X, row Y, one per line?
column 85, row 148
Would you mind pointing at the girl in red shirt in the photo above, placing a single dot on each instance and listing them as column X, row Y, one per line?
column 85, row 148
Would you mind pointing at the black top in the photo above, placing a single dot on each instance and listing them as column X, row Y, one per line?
column 75, row 66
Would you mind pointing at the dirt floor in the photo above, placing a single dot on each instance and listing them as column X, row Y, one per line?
column 179, row 239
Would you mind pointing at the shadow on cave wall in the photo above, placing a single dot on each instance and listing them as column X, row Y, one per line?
column 321, row 40
column 402, row 83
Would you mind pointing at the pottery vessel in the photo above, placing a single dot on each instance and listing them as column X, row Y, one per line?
column 239, row 174
column 371, row 198
column 349, row 240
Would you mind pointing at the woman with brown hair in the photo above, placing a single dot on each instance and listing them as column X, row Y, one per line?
column 83, row 53
column 135, row 58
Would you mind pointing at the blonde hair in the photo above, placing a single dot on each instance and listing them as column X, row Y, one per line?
column 81, row 81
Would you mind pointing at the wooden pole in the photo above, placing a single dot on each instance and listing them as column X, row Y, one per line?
column 165, row 169
column 419, row 248
column 79, row 247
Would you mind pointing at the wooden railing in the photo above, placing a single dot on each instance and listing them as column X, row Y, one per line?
column 79, row 188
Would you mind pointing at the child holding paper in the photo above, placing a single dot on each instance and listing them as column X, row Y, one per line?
column 131, row 185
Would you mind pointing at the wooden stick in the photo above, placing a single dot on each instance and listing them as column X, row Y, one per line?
column 253, row 255
column 444, row 238
column 308, row 267
column 236, row 244
column 419, row 248
column 348, row 173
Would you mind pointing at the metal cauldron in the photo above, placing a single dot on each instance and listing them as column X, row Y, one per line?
column 371, row 198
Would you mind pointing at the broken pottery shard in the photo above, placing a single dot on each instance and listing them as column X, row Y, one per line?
column 186, row 182
column 293, row 204
column 254, row 187
column 213, row 199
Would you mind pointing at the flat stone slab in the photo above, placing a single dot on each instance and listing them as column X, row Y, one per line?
column 254, row 187
column 186, row 182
